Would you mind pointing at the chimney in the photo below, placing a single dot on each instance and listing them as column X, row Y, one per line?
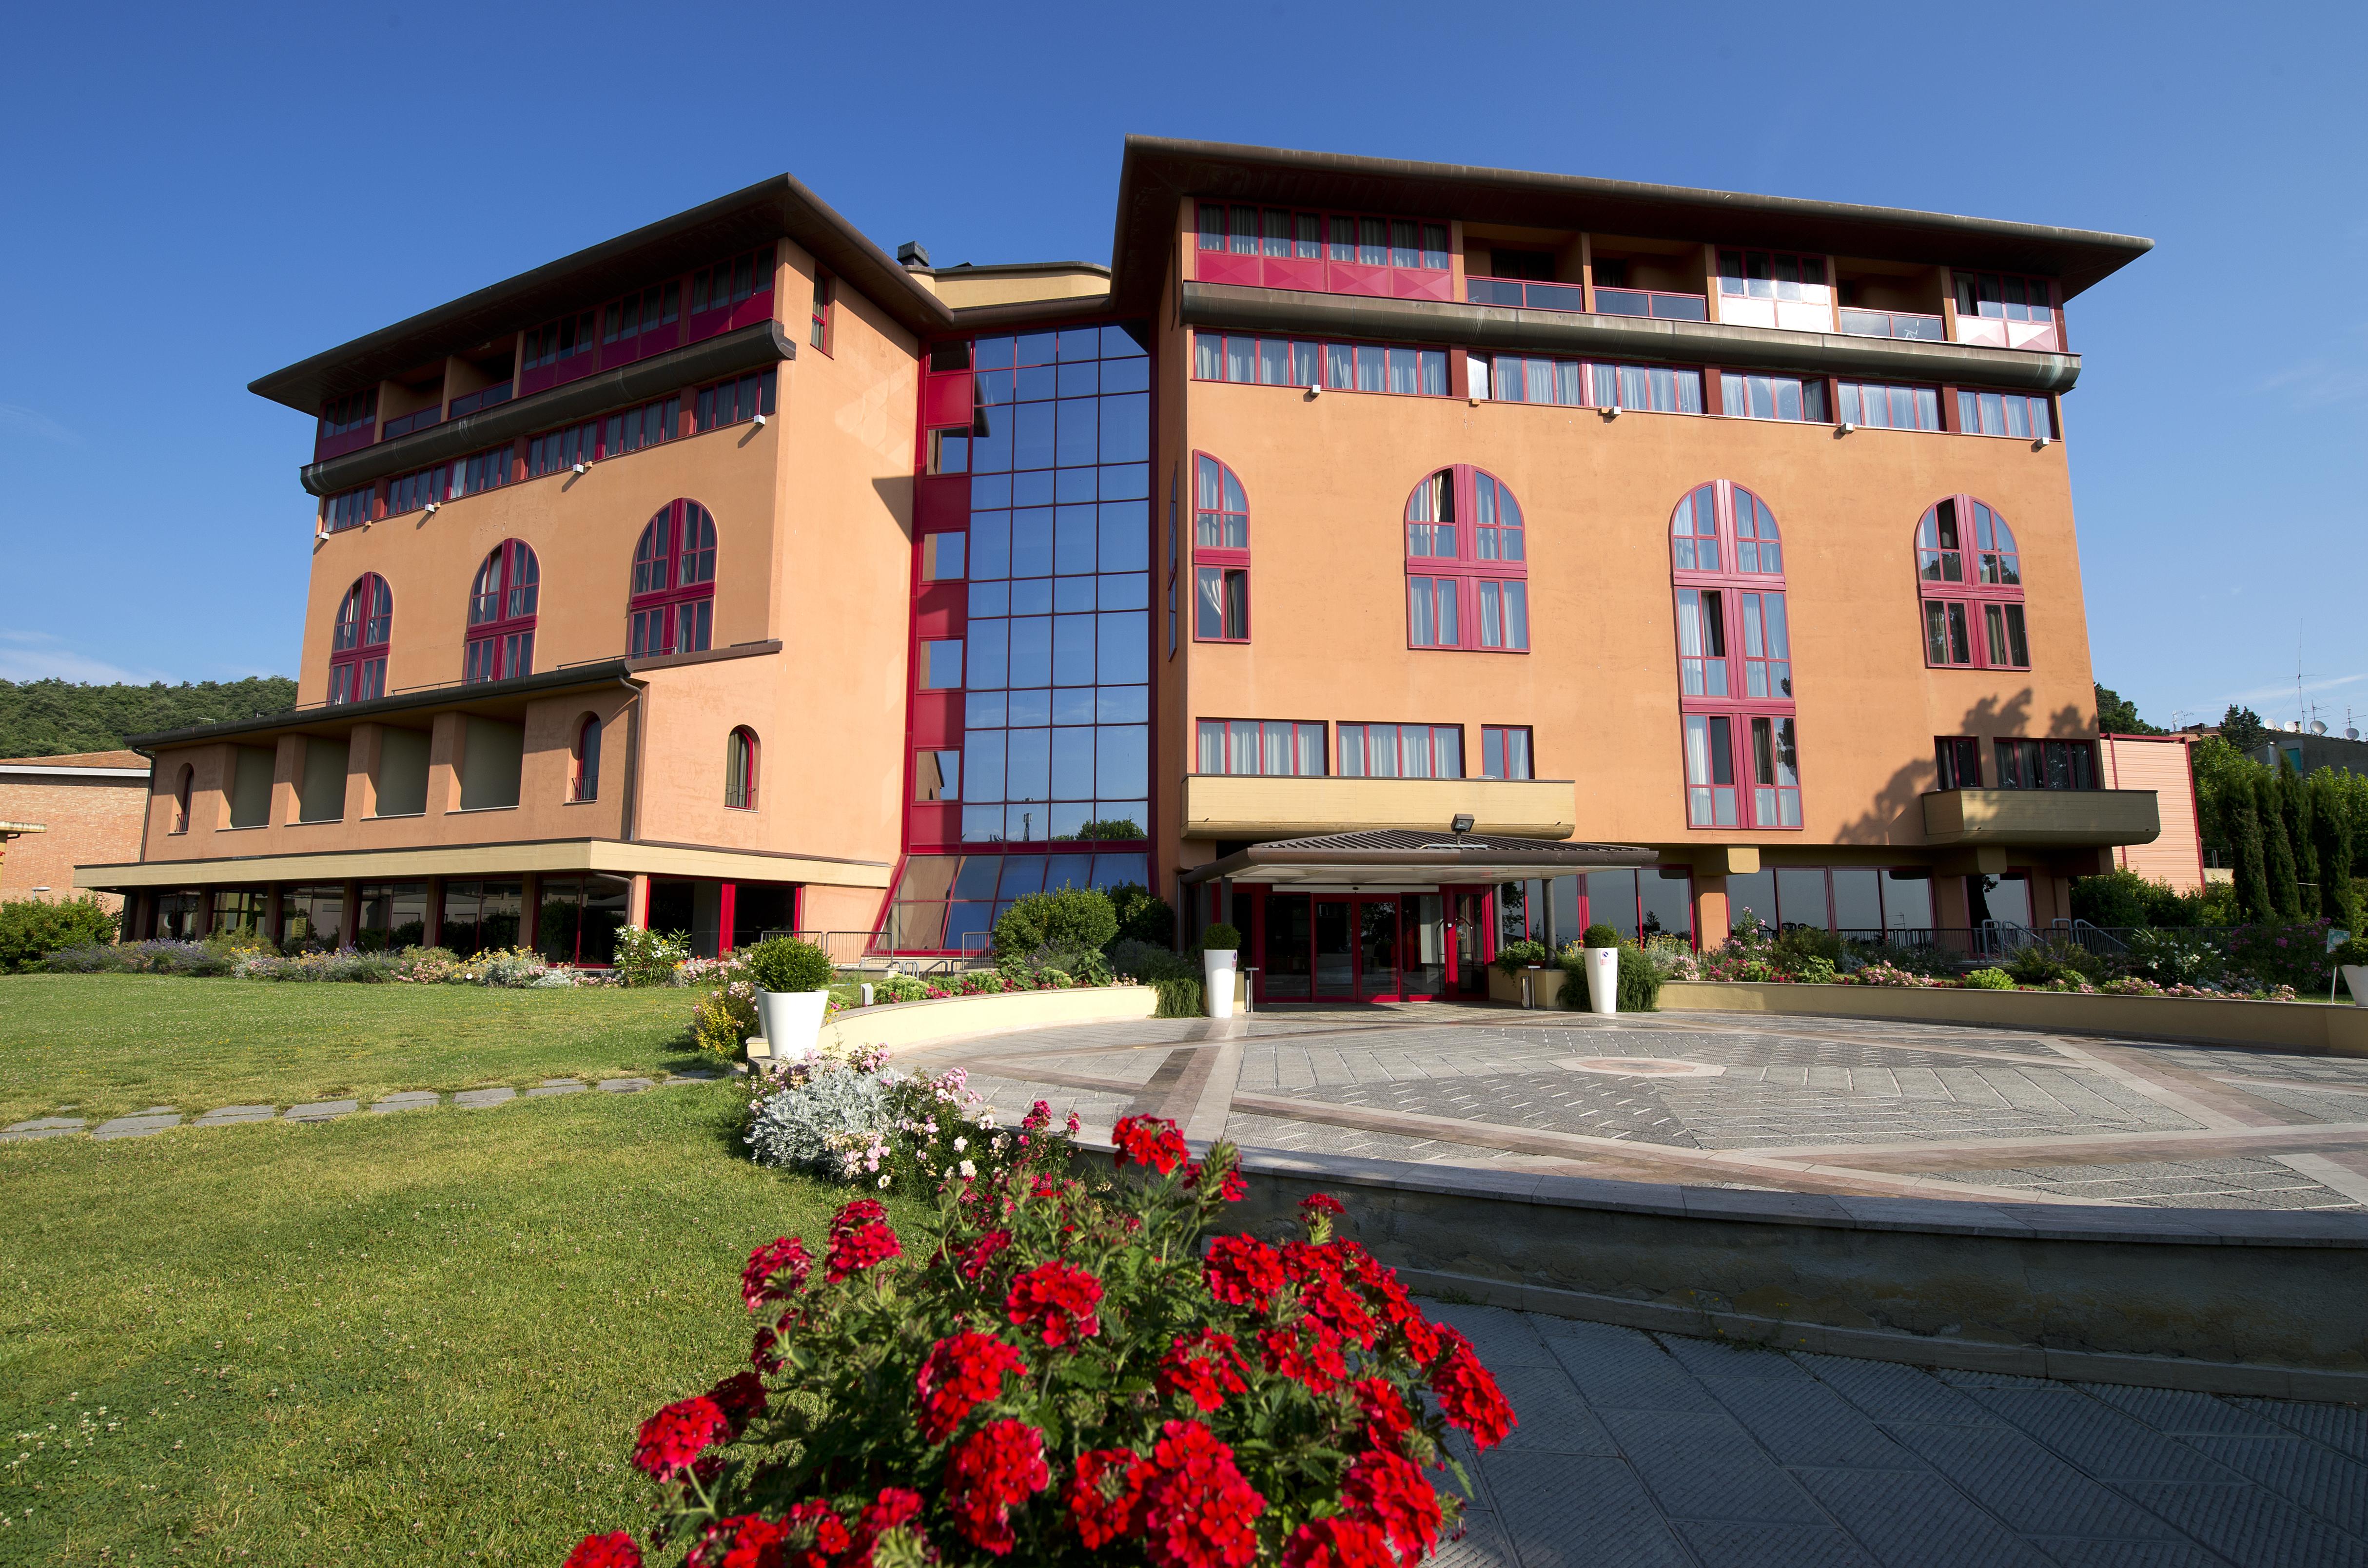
column 913, row 256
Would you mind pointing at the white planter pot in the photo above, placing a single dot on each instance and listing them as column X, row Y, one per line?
column 1602, row 980
column 2355, row 975
column 1217, row 972
column 791, row 1021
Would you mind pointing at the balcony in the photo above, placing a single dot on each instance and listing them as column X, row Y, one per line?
column 1233, row 806
column 2068, row 818
column 432, row 414
column 1893, row 323
column 1517, row 295
column 1650, row 303
column 491, row 397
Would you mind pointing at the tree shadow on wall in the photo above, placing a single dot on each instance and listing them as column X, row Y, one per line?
column 1896, row 813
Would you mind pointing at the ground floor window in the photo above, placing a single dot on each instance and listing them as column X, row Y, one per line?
column 312, row 917
column 179, row 915
column 578, row 918
column 951, row 903
column 1862, row 902
column 391, row 917
column 1655, row 901
column 241, row 911
column 481, row 916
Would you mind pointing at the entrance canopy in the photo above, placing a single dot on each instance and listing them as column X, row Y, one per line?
column 1395, row 858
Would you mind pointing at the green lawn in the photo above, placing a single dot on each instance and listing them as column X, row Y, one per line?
column 418, row 1338
column 110, row 1043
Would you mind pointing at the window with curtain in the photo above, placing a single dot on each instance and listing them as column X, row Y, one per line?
column 1735, row 661
column 740, row 769
column 1336, row 366
column 1467, row 563
column 2046, row 765
column 1274, row 748
column 584, row 783
column 1221, row 553
column 1751, row 397
column 1889, row 407
column 2004, row 414
column 1505, row 751
column 502, row 602
column 1969, row 582
column 358, row 646
column 671, row 605
column 1401, row 751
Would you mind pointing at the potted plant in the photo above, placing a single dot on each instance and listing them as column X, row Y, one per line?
column 2351, row 958
column 792, row 980
column 1220, row 945
column 1602, row 944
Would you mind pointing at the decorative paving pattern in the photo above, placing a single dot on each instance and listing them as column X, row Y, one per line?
column 1824, row 1105
column 1643, row 1448
column 159, row 1118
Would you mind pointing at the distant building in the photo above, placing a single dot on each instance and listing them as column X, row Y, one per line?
column 2160, row 763
column 89, row 806
column 2308, row 750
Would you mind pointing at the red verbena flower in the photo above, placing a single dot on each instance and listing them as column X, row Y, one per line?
column 615, row 1550
column 1243, row 1271
column 854, row 1248
column 1388, row 1420
column 1148, row 1141
column 1105, row 1493
column 1337, row 1542
column 1196, row 1507
column 973, row 1259
column 960, row 1373
column 740, row 1397
column 1308, row 1354
column 1390, row 1491
column 893, row 1509
column 1320, row 1202
column 676, row 1435
column 1038, row 1116
column 1056, row 1301
column 991, row 1472
column 1204, row 1367
column 1339, row 1309
column 812, row 1534
column 786, row 1255
column 1469, row 1397
column 1230, row 1187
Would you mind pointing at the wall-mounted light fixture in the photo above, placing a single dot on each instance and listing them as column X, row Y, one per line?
column 579, row 468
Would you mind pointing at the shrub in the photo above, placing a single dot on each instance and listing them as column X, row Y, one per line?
column 1181, row 996
column 2280, row 953
column 2056, row 962
column 33, row 929
column 1889, row 974
column 2124, row 898
column 1142, row 916
column 1515, row 956
column 426, row 966
column 1599, row 935
column 1925, row 963
column 1073, row 920
column 516, row 967
column 1143, row 962
column 722, row 1020
column 651, row 957
column 95, row 957
column 2353, row 953
column 1220, row 938
column 1639, row 987
column 1796, row 944
column 785, row 963
column 902, row 988
column 2175, row 958
column 1043, row 1371
column 857, row 1120
column 1990, row 980
column 1112, row 827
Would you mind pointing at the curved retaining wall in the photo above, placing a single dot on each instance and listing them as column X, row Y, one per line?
column 901, row 1026
column 2290, row 1026
column 2220, row 1301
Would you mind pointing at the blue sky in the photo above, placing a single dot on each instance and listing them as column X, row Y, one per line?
column 200, row 195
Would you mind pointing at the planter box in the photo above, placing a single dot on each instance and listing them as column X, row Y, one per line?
column 1506, row 988
column 2290, row 1026
column 903, row 1026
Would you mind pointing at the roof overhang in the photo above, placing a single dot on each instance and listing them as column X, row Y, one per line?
column 498, row 699
column 1400, row 859
column 543, row 856
column 33, row 771
column 1159, row 172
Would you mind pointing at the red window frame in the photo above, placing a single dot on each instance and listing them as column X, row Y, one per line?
column 670, row 608
column 1498, row 745
column 1221, row 553
column 1231, row 737
column 818, row 334
column 1324, row 251
column 422, row 487
column 502, row 599
column 1471, row 566
column 1973, row 286
column 350, row 509
column 488, row 469
column 1958, row 762
column 182, row 790
column 740, row 749
column 735, row 401
column 2026, row 764
column 1357, row 740
column 1302, row 363
column 1738, row 734
column 1998, row 413
column 584, row 781
column 358, row 643
column 347, row 424
column 1969, row 612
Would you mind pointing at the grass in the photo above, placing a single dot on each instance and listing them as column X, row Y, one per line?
column 110, row 1043
column 424, row 1338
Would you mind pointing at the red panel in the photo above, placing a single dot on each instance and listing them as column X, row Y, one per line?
column 937, row 718
column 938, row 610
column 353, row 440
column 946, row 400
column 706, row 323
column 1418, row 284
column 575, row 367
column 624, row 351
column 1355, row 277
column 754, row 309
column 1224, row 267
column 934, row 824
column 1295, row 272
column 941, row 502
column 540, row 378
column 658, row 339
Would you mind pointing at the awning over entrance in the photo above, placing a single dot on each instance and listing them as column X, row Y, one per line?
column 1398, row 859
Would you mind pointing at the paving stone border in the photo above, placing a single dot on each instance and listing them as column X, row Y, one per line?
column 159, row 1118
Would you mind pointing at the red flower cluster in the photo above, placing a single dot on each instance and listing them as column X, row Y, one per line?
column 1308, row 1354
column 959, row 1374
column 1104, row 1494
column 991, row 1472
column 895, row 1509
column 1469, row 1397
column 1057, row 1301
column 1391, row 1492
column 1148, row 1141
column 1196, row 1507
column 615, row 1550
column 859, row 1239
column 1243, row 1271
column 1204, row 1368
column 973, row 1259
column 787, row 1254
column 740, row 1397
column 674, row 1436
column 1316, row 1203
column 1231, row 1187
column 1387, row 1421
column 1337, row 1542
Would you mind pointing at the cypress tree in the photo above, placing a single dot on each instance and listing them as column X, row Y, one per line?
column 2331, row 835
column 2244, row 826
column 2277, row 841
column 2297, row 806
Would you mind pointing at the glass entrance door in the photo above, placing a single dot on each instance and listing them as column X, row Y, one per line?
column 1336, row 958
column 1470, row 976
column 1377, row 948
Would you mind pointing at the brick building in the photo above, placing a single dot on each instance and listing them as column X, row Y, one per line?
column 89, row 807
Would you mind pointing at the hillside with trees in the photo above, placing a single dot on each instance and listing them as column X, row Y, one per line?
column 51, row 718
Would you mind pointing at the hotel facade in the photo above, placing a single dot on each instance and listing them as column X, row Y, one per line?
column 1391, row 558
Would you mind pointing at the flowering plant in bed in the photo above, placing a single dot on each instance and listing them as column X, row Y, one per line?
column 1048, row 1369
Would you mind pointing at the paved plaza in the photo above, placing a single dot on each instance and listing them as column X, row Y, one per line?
column 1805, row 1105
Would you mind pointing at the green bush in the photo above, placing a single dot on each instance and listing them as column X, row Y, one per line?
column 1990, row 980
column 786, row 963
column 1640, row 979
column 1220, row 938
column 1800, row 944
column 1515, row 956
column 1147, row 962
column 651, row 957
column 1599, row 935
column 2055, row 962
column 1182, row 997
column 2353, row 953
column 2175, row 958
column 33, row 929
column 1073, row 920
column 1143, row 916
column 2124, row 898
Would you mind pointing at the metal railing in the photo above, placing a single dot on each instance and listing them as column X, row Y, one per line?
column 1967, row 944
column 1650, row 303
column 1893, row 323
column 1523, row 296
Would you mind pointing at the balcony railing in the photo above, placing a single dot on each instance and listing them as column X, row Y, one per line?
column 1893, row 323
column 491, row 397
column 1523, row 296
column 2042, row 816
column 1650, row 303
column 410, row 421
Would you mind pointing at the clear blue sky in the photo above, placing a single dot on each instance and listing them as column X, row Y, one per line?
column 198, row 195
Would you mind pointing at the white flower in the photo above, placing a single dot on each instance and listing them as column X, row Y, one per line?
column 959, row 1145
column 884, row 1181
column 968, row 1170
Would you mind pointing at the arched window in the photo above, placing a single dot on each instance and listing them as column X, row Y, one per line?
column 740, row 770
column 1221, row 553
column 358, row 648
column 501, row 614
column 672, row 609
column 1467, row 563
column 1970, row 588
column 1735, row 661
column 181, row 789
column 584, row 783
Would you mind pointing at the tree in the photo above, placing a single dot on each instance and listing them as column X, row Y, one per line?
column 2244, row 830
column 53, row 718
column 2117, row 715
column 2286, row 887
column 2332, row 842
column 2242, row 728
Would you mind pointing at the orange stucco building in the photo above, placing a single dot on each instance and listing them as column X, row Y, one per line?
column 1580, row 551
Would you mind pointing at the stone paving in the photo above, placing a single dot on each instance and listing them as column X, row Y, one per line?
column 1636, row 1448
column 158, row 1118
column 1823, row 1105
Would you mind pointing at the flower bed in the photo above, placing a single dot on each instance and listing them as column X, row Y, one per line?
column 1053, row 1370
column 518, row 968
